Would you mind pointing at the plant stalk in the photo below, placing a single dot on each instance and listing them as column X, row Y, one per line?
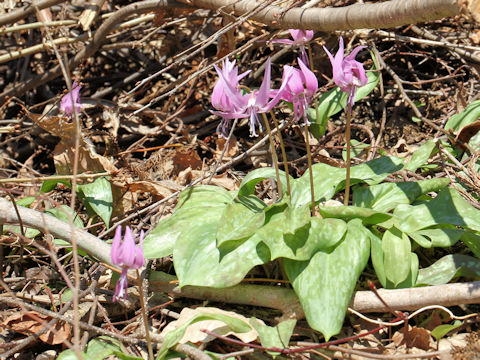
column 310, row 170
column 145, row 317
column 347, row 137
column 284, row 153
column 274, row 154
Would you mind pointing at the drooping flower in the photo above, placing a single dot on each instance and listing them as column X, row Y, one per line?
column 300, row 38
column 300, row 88
column 66, row 104
column 126, row 255
column 220, row 99
column 348, row 73
column 251, row 104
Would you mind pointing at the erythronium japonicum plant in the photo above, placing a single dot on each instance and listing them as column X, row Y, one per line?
column 71, row 100
column 127, row 255
column 348, row 75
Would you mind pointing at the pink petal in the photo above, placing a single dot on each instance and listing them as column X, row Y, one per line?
column 310, row 79
column 262, row 96
column 115, row 251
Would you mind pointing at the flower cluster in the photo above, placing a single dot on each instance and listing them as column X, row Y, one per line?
column 348, row 73
column 231, row 103
column 126, row 255
column 66, row 104
column 298, row 85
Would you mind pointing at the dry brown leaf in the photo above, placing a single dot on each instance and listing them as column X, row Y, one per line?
column 468, row 131
column 413, row 337
column 29, row 323
column 185, row 158
column 230, row 152
column 162, row 189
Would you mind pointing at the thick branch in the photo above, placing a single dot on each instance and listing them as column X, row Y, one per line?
column 358, row 16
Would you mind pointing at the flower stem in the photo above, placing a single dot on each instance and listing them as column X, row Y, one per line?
column 145, row 317
column 347, row 137
column 274, row 155
column 310, row 57
column 284, row 153
column 309, row 157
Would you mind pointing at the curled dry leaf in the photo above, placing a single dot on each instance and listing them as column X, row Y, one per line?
column 31, row 322
column 414, row 337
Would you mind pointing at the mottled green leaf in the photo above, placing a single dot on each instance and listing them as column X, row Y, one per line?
column 470, row 114
column 449, row 207
column 247, row 187
column 98, row 197
column 448, row 267
column 385, row 197
column 436, row 237
column 274, row 336
column 472, row 240
column 241, row 218
column 421, row 156
column 368, row 216
column 326, row 283
column 328, row 179
column 396, row 254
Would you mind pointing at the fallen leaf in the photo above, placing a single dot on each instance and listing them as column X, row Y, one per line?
column 468, row 131
column 29, row 323
column 413, row 337
column 194, row 334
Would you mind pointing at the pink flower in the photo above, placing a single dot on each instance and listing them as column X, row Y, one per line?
column 348, row 73
column 66, row 104
column 126, row 255
column 246, row 105
column 300, row 38
column 220, row 99
column 300, row 88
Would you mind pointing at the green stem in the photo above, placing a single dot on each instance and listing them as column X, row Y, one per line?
column 284, row 153
column 347, row 137
column 274, row 155
column 145, row 317
column 309, row 157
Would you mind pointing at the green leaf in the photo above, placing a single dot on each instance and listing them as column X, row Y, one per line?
column 310, row 236
column 421, row 156
column 441, row 330
column 328, row 179
column 356, row 149
column 204, row 196
column 368, row 216
column 49, row 185
column 195, row 205
column 448, row 267
column 472, row 240
column 387, row 196
column 377, row 258
column 26, row 201
column 437, row 237
column 173, row 337
column 240, row 219
column 470, row 114
column 98, row 196
column 199, row 262
column 274, row 336
column 449, row 207
column 396, row 252
column 325, row 284
column 64, row 213
column 100, row 348
column 247, row 187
